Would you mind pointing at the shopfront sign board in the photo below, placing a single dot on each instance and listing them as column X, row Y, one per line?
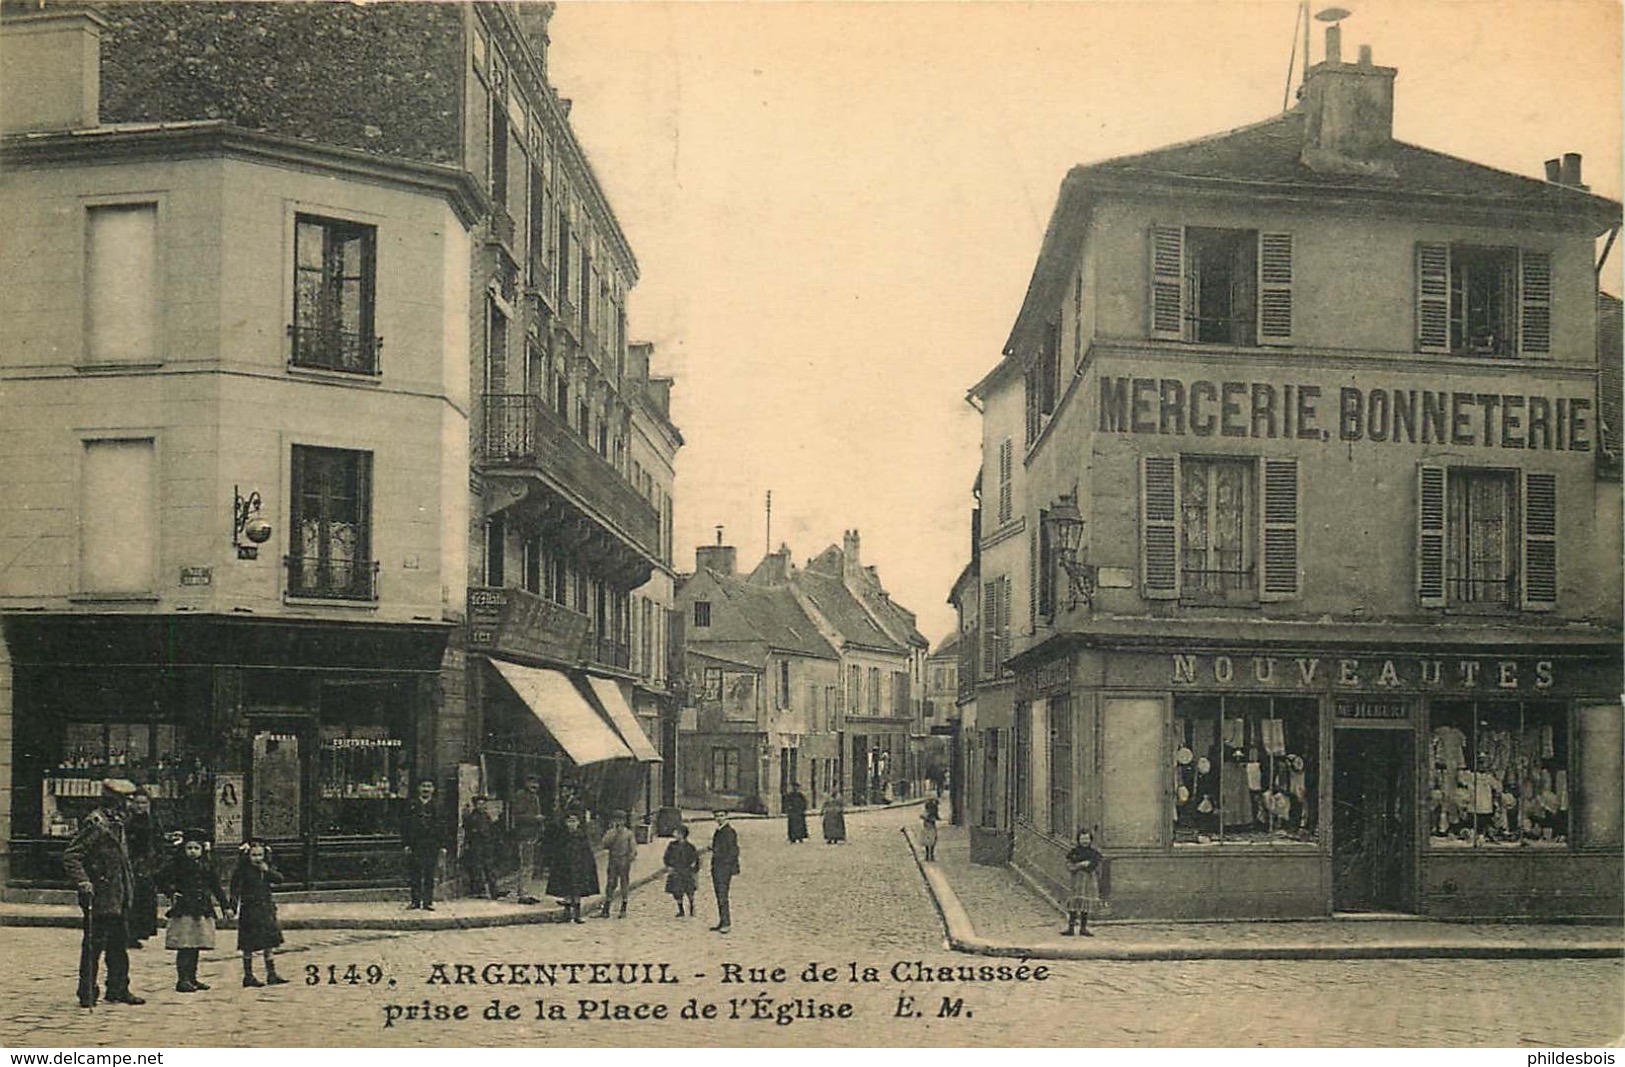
column 515, row 623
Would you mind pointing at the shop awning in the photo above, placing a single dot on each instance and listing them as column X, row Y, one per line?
column 609, row 695
column 564, row 712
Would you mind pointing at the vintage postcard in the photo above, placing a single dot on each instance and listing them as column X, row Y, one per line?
column 799, row 525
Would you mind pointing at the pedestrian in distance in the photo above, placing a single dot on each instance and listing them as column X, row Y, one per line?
column 479, row 849
column 834, row 817
column 573, row 872
column 143, row 838
column 257, row 926
column 795, row 813
column 423, row 836
column 525, row 809
column 724, row 867
column 194, row 890
column 97, row 861
column 682, row 860
column 622, row 846
column 928, row 830
column 1085, row 865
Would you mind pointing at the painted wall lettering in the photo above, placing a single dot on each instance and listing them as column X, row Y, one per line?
column 1202, row 408
column 1396, row 673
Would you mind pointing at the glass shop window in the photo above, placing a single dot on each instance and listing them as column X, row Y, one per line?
column 146, row 753
column 1245, row 770
column 1498, row 775
column 360, row 770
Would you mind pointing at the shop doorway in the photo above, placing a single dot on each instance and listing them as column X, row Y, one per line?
column 1373, row 820
column 278, row 790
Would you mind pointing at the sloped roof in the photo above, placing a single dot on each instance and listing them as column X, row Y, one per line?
column 948, row 647
column 892, row 617
column 837, row 604
column 768, row 614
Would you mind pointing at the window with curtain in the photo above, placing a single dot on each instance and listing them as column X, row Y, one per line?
column 334, row 280
column 330, row 554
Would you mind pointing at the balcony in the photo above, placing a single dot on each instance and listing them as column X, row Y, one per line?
column 523, row 432
column 321, row 348
column 315, row 578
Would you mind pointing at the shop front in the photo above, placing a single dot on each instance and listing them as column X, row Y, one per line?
column 306, row 734
column 1291, row 781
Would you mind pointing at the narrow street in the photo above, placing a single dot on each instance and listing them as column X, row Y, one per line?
column 860, row 903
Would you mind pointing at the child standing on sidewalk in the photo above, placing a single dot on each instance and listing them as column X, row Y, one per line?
column 683, row 861
column 928, row 833
column 257, row 926
column 1085, row 864
column 194, row 890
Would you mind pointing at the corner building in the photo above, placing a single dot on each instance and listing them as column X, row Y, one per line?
column 1341, row 631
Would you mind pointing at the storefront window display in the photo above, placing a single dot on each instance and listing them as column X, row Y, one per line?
column 145, row 752
column 360, row 769
column 1498, row 774
column 1245, row 770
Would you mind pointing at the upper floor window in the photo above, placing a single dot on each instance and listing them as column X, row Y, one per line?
column 1044, row 384
column 702, row 613
column 1218, row 528
column 330, row 540
column 1486, row 538
column 1483, row 301
column 334, row 280
column 1221, row 286
column 121, row 276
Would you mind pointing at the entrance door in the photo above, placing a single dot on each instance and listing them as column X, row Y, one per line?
column 278, row 790
column 1373, row 820
column 860, row 769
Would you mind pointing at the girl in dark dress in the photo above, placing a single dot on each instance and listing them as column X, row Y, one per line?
column 257, row 926
column 194, row 890
column 683, row 861
column 575, row 872
column 1083, row 863
column 142, row 837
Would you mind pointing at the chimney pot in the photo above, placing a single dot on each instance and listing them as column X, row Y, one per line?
column 1571, row 170
column 1554, row 170
column 1365, row 55
column 51, row 77
column 1334, row 44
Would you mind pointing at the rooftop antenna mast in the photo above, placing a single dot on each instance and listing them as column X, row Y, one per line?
column 769, row 547
column 1301, row 19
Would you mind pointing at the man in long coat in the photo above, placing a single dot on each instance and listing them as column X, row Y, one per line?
column 724, row 865
column 98, row 863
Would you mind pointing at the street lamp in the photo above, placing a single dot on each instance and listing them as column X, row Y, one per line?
column 1066, row 534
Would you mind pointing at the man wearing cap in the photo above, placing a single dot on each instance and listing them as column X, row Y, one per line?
column 479, row 849
column 98, row 863
column 622, row 846
column 724, row 865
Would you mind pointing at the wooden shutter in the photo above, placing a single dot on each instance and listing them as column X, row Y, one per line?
column 1280, row 530
column 1274, row 288
column 1430, row 534
column 1432, row 297
column 1534, row 303
column 1539, row 541
column 1006, row 476
column 1159, row 530
column 1168, row 282
column 1032, row 576
column 1004, row 622
column 990, row 628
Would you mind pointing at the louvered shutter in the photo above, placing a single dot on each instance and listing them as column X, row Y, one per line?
column 1432, row 297
column 990, row 628
column 1274, row 288
column 1168, row 282
column 1534, row 303
column 1159, row 532
column 1032, row 579
column 1004, row 622
column 1539, row 541
column 1280, row 529
column 1430, row 534
column 1006, row 476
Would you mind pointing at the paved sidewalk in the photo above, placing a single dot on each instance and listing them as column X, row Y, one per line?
column 992, row 911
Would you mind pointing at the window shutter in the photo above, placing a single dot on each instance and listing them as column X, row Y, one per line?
column 1539, row 541
column 1430, row 534
column 1274, row 288
column 1432, row 297
column 1280, row 527
column 1006, row 490
column 1168, row 282
column 1159, row 534
column 1535, row 303
column 990, row 628
column 1004, row 622
column 1032, row 579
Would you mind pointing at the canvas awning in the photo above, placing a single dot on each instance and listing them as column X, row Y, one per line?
column 563, row 710
column 609, row 695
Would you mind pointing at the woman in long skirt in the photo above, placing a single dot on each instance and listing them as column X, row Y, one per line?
column 834, row 819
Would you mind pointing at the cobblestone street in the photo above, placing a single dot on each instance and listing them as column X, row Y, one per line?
column 862, row 902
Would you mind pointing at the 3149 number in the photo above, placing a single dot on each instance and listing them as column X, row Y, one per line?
column 336, row 974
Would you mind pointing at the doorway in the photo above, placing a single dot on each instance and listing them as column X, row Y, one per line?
column 1373, row 820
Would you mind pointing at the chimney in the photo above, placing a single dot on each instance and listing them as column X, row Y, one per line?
column 1570, row 171
column 851, row 563
column 51, row 77
column 1349, row 113
column 1554, row 170
column 719, row 558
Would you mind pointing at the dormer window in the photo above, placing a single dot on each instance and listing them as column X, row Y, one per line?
column 1221, row 286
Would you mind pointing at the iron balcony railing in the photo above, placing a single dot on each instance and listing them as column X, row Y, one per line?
column 331, row 579
column 521, row 430
column 339, row 350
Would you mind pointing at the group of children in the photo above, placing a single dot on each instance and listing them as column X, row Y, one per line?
column 194, row 889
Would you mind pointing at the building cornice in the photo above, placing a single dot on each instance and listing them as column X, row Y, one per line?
column 140, row 143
